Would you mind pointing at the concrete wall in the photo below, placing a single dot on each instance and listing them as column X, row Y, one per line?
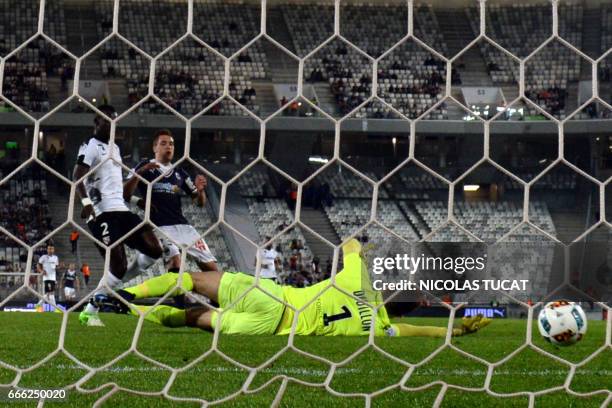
column 320, row 124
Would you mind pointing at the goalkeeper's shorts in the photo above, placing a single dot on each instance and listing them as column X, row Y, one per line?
column 252, row 312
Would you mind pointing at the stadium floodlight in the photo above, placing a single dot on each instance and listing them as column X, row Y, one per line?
column 471, row 187
column 318, row 159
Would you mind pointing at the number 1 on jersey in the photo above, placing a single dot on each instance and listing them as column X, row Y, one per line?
column 346, row 315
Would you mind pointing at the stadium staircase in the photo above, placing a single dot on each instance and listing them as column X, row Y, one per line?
column 81, row 35
column 457, row 34
column 54, row 89
column 511, row 92
column 417, row 222
column 591, row 38
column 117, row 90
column 326, row 99
column 568, row 225
column 318, row 221
column 265, row 98
column 597, row 258
column 284, row 68
column 571, row 104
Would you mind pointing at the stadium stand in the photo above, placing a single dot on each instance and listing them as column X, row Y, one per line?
column 415, row 209
column 345, row 183
column 27, row 73
column 491, row 221
column 24, row 212
column 12, row 260
column 520, row 29
column 25, row 207
column 271, row 215
column 409, row 78
column 605, row 67
column 524, row 254
column 189, row 77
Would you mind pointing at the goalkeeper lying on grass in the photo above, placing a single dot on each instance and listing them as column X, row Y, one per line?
column 333, row 313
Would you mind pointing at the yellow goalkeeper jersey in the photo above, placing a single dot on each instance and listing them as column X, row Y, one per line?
column 343, row 310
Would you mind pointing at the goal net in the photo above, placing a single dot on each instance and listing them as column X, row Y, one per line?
column 478, row 131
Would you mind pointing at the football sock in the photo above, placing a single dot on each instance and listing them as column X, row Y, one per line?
column 410, row 330
column 140, row 264
column 159, row 286
column 112, row 282
column 162, row 314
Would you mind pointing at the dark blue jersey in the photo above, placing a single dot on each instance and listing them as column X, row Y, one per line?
column 69, row 278
column 166, row 194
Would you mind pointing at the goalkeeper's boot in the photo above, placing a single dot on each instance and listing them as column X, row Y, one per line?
column 109, row 304
column 89, row 315
column 473, row 324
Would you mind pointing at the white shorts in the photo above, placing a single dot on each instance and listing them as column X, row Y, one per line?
column 69, row 293
column 185, row 235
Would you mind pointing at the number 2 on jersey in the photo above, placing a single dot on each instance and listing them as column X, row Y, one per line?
column 104, row 226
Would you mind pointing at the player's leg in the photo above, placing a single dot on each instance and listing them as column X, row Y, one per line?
column 145, row 241
column 198, row 249
column 253, row 313
column 200, row 317
column 110, row 227
column 205, row 260
column 169, row 316
column 44, row 298
column 208, row 266
column 51, row 293
column 206, row 284
column 174, row 263
column 118, row 266
column 142, row 262
column 142, row 240
column 138, row 265
column 107, row 227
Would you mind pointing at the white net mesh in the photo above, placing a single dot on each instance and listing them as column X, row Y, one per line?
column 229, row 75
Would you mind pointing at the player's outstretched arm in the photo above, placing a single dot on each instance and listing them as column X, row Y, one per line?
column 132, row 183
column 468, row 325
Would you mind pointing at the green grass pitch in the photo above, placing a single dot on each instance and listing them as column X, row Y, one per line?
column 28, row 337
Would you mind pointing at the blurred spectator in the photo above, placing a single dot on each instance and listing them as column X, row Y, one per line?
column 86, row 273
column 74, row 239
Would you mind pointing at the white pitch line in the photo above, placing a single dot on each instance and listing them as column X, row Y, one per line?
column 346, row 370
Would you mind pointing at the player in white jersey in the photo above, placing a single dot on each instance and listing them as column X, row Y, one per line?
column 47, row 265
column 268, row 257
column 107, row 215
column 69, row 281
column 166, row 207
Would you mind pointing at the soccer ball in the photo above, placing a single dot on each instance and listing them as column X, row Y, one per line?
column 562, row 323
